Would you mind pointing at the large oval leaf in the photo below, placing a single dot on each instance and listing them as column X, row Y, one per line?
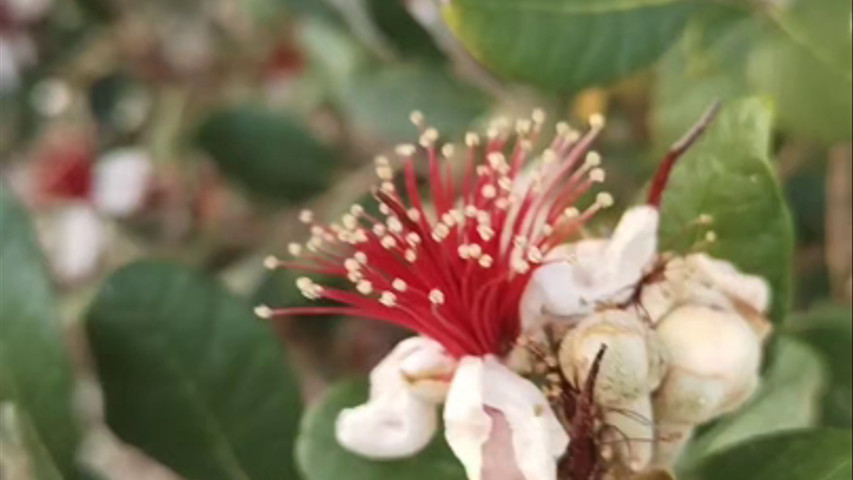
column 804, row 455
column 566, row 45
column 35, row 374
column 728, row 175
column 192, row 377
column 320, row 456
column 788, row 399
column 271, row 154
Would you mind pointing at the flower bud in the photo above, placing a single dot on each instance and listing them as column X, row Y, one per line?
column 631, row 369
column 714, row 361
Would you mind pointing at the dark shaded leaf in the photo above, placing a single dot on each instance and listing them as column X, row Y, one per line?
column 802, row 455
column 192, row 377
column 271, row 154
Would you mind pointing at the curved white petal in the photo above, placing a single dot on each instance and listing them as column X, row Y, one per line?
column 121, row 180
column 632, row 247
column 400, row 418
column 700, row 279
column 593, row 272
column 395, row 426
column 482, row 385
column 752, row 290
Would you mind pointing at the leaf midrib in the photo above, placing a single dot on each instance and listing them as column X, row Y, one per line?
column 226, row 452
column 566, row 8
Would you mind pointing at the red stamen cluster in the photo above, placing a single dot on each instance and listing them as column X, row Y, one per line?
column 454, row 269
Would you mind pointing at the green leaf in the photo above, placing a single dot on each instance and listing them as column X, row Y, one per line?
column 805, row 63
column 802, row 455
column 271, row 154
column 788, row 399
column 381, row 102
column 797, row 53
column 829, row 329
column 320, row 457
column 566, row 45
column 708, row 64
column 192, row 377
column 35, row 374
column 728, row 175
column 812, row 98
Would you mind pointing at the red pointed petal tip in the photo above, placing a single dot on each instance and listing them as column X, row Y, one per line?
column 454, row 266
column 677, row 151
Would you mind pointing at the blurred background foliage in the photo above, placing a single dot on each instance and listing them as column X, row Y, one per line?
column 152, row 153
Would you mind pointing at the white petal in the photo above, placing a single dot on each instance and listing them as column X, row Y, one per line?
column 750, row 289
column 480, row 384
column 699, row 279
column 391, row 427
column 75, row 242
column 550, row 291
column 632, row 247
column 467, row 425
column 593, row 272
column 121, row 180
column 399, row 419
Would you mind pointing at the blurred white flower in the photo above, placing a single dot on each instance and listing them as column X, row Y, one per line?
column 74, row 241
column 122, row 179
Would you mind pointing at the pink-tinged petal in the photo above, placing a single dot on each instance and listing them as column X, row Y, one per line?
column 121, row 181
column 484, row 388
column 498, row 453
column 400, row 418
column 467, row 425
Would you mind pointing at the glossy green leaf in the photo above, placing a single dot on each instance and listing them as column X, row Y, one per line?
column 728, row 175
column 271, row 154
column 708, row 64
column 320, row 456
column 566, row 45
column 788, row 399
column 801, row 455
column 192, row 377
column 381, row 102
column 35, row 374
column 829, row 329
